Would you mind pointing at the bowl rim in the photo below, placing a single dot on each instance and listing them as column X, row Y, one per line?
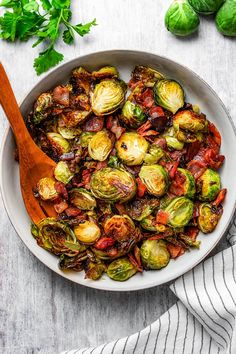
column 8, row 130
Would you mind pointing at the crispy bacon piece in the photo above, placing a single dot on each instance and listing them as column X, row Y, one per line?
column 141, row 188
column 175, row 250
column 144, row 127
column 61, row 190
column 72, row 211
column 121, row 208
column 177, row 185
column 61, row 95
column 162, row 217
column 100, row 165
column 214, row 133
column 161, row 142
column 60, row 206
column 135, row 263
column 220, row 198
column 104, row 242
column 113, row 125
column 86, row 177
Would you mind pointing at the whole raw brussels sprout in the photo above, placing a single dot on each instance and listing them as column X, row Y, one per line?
column 87, row 232
column 100, row 146
column 41, row 107
column 105, row 72
column 179, row 212
column 206, row 7
column 147, row 75
column 120, row 227
column 226, row 18
column 189, row 120
column 141, row 208
column 132, row 115
column 155, row 153
column 82, row 199
column 85, row 138
column 61, row 145
column 154, row 254
column 131, row 148
column 169, row 94
column 121, row 269
column 181, row 19
column 209, row 217
column 46, row 188
column 107, row 97
column 62, row 172
column 208, row 185
column 183, row 183
column 111, row 184
column 155, row 179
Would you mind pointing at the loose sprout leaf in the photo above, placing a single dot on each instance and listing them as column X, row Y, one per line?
column 47, row 60
column 68, row 36
column 82, row 30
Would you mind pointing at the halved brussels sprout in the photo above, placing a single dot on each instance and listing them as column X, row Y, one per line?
column 225, row 18
column 121, row 269
column 155, row 179
column 100, row 146
column 206, row 7
column 72, row 118
column 132, row 115
column 82, row 199
column 62, row 172
column 105, row 72
column 209, row 217
column 58, row 238
column 155, row 153
column 69, row 133
column 85, row 138
column 149, row 223
column 183, row 183
column 189, row 120
column 111, row 184
column 179, row 211
column 189, row 137
column 147, row 75
column 107, row 97
column 46, row 188
column 169, row 94
column 208, row 185
column 87, row 232
column 94, row 270
column 141, row 208
column 132, row 148
column 154, row 254
column 171, row 141
column 181, row 19
column 120, row 227
column 59, row 143
column 41, row 108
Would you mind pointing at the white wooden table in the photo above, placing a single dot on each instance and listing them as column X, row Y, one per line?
column 41, row 311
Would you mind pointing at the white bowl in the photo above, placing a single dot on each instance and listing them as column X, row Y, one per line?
column 198, row 92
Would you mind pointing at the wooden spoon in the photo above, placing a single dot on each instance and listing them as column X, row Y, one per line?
column 34, row 164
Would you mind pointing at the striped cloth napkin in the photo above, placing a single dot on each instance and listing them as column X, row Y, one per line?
column 202, row 321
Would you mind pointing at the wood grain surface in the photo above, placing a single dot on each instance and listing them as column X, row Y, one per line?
column 40, row 311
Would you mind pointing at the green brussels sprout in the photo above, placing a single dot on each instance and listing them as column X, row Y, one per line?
column 155, row 153
column 58, row 238
column 208, row 185
column 69, row 133
column 206, row 7
column 120, row 227
column 209, row 217
column 113, row 185
column 85, row 138
column 147, row 75
column 183, row 183
column 60, row 144
column 155, row 179
column 41, row 108
column 62, row 172
column 181, row 19
column 226, row 18
column 82, row 199
column 132, row 115
column 189, row 120
column 171, row 141
column 154, row 254
column 132, row 148
column 121, row 269
column 189, row 137
column 179, row 211
column 142, row 208
column 169, row 94
column 87, row 232
column 105, row 72
column 46, row 188
column 107, row 97
column 100, row 146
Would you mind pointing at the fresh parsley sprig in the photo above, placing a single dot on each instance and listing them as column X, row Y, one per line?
column 46, row 20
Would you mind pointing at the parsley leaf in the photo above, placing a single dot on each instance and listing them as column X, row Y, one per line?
column 47, row 60
column 8, row 26
column 46, row 4
column 68, row 36
column 82, row 30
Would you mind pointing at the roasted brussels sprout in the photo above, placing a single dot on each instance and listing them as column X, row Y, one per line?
column 82, row 199
column 46, row 188
column 121, row 269
column 147, row 75
column 107, row 97
column 105, row 72
column 85, row 138
column 81, row 78
column 154, row 254
column 206, row 7
column 100, row 146
column 94, row 270
column 120, row 227
column 132, row 148
column 75, row 263
column 169, row 94
column 181, row 19
column 60, row 144
column 71, row 119
column 189, row 120
column 183, row 183
column 208, row 185
column 171, row 141
column 179, row 212
column 69, row 133
column 141, row 208
column 155, row 153
column 189, row 137
column 87, row 232
column 111, row 184
column 132, row 115
column 149, row 223
column 209, row 217
column 58, row 238
column 42, row 106
column 225, row 18
column 155, row 179
column 62, row 172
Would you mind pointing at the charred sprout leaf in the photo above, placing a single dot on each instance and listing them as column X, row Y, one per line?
column 87, row 232
column 154, row 254
column 206, row 7
column 179, row 211
column 42, row 107
column 147, row 75
column 121, row 269
column 132, row 148
column 75, row 263
column 209, row 217
column 94, row 270
column 208, row 185
column 132, row 115
column 155, row 153
column 105, row 73
column 190, row 121
column 46, row 188
column 100, row 146
column 169, row 94
column 59, row 143
column 189, row 241
column 62, row 172
column 69, row 133
column 82, row 199
column 189, row 137
column 155, row 179
column 141, row 208
column 120, row 227
column 85, row 138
